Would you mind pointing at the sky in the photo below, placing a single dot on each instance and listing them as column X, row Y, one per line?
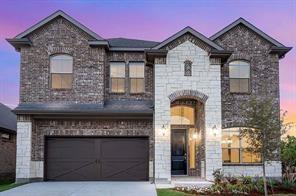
column 152, row 20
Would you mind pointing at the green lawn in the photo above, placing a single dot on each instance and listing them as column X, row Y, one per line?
column 6, row 186
column 170, row 192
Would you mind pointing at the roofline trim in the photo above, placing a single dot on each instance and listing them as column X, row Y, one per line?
column 53, row 16
column 250, row 26
column 122, row 49
column 194, row 33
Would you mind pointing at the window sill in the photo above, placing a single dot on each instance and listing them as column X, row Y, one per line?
column 61, row 89
column 117, row 93
column 242, row 164
column 141, row 93
column 240, row 93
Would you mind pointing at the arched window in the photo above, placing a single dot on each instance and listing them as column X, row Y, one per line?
column 235, row 148
column 182, row 115
column 239, row 76
column 61, row 70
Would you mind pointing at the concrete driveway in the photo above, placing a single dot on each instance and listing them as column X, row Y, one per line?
column 83, row 189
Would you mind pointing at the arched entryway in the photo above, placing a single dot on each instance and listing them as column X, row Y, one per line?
column 187, row 132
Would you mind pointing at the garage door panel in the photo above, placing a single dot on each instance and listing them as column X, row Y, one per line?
column 71, row 149
column 124, row 170
column 125, row 149
column 72, row 172
column 76, row 159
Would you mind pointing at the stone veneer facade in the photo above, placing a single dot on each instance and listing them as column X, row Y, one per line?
column 169, row 78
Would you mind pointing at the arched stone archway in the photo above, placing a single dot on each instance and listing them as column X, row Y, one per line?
column 188, row 94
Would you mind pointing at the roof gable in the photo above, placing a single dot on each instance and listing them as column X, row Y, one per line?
column 194, row 33
column 250, row 26
column 53, row 16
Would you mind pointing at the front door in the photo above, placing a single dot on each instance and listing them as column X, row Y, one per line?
column 179, row 152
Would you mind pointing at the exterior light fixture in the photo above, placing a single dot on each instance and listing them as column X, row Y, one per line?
column 215, row 130
column 163, row 130
column 194, row 136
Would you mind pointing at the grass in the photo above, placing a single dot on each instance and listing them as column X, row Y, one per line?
column 170, row 192
column 5, row 185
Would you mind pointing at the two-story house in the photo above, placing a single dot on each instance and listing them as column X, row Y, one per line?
column 124, row 109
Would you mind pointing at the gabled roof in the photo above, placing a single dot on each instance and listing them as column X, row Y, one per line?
column 194, row 33
column 7, row 119
column 130, row 43
column 53, row 16
column 250, row 26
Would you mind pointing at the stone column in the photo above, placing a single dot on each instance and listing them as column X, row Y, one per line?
column 213, row 126
column 162, row 118
column 23, row 151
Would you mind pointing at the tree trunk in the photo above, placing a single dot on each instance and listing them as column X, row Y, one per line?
column 264, row 178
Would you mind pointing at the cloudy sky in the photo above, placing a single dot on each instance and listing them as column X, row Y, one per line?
column 151, row 20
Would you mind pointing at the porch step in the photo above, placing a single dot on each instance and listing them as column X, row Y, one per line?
column 185, row 182
column 192, row 183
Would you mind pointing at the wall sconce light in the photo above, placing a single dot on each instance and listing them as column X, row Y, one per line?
column 215, row 130
column 194, row 136
column 163, row 130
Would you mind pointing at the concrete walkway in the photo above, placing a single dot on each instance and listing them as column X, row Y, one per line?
column 83, row 189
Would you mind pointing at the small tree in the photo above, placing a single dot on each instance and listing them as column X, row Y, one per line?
column 263, row 127
column 288, row 153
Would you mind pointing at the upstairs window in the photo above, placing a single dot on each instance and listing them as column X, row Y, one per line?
column 239, row 77
column 235, row 148
column 136, row 75
column 117, row 74
column 61, row 70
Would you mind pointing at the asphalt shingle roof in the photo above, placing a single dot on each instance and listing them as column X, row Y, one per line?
column 7, row 118
column 131, row 43
column 111, row 107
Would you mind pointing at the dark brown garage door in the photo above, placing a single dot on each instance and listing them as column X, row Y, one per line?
column 75, row 159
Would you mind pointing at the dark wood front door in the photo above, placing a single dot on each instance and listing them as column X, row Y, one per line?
column 86, row 159
column 179, row 152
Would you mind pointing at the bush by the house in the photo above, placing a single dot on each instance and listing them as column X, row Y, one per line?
column 244, row 185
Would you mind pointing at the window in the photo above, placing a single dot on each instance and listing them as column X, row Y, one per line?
column 239, row 76
column 182, row 115
column 136, row 74
column 234, row 148
column 187, row 68
column 117, row 72
column 61, row 70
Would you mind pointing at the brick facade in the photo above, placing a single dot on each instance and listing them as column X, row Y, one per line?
column 60, row 36
column 88, row 128
column 264, row 81
column 206, row 81
column 7, row 156
column 148, row 77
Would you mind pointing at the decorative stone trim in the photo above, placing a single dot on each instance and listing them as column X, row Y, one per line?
column 24, row 118
column 239, row 56
column 160, row 60
column 188, row 94
column 60, row 50
column 215, row 61
column 187, row 37
column 187, row 68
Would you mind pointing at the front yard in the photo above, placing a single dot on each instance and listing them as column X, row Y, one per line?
column 8, row 185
